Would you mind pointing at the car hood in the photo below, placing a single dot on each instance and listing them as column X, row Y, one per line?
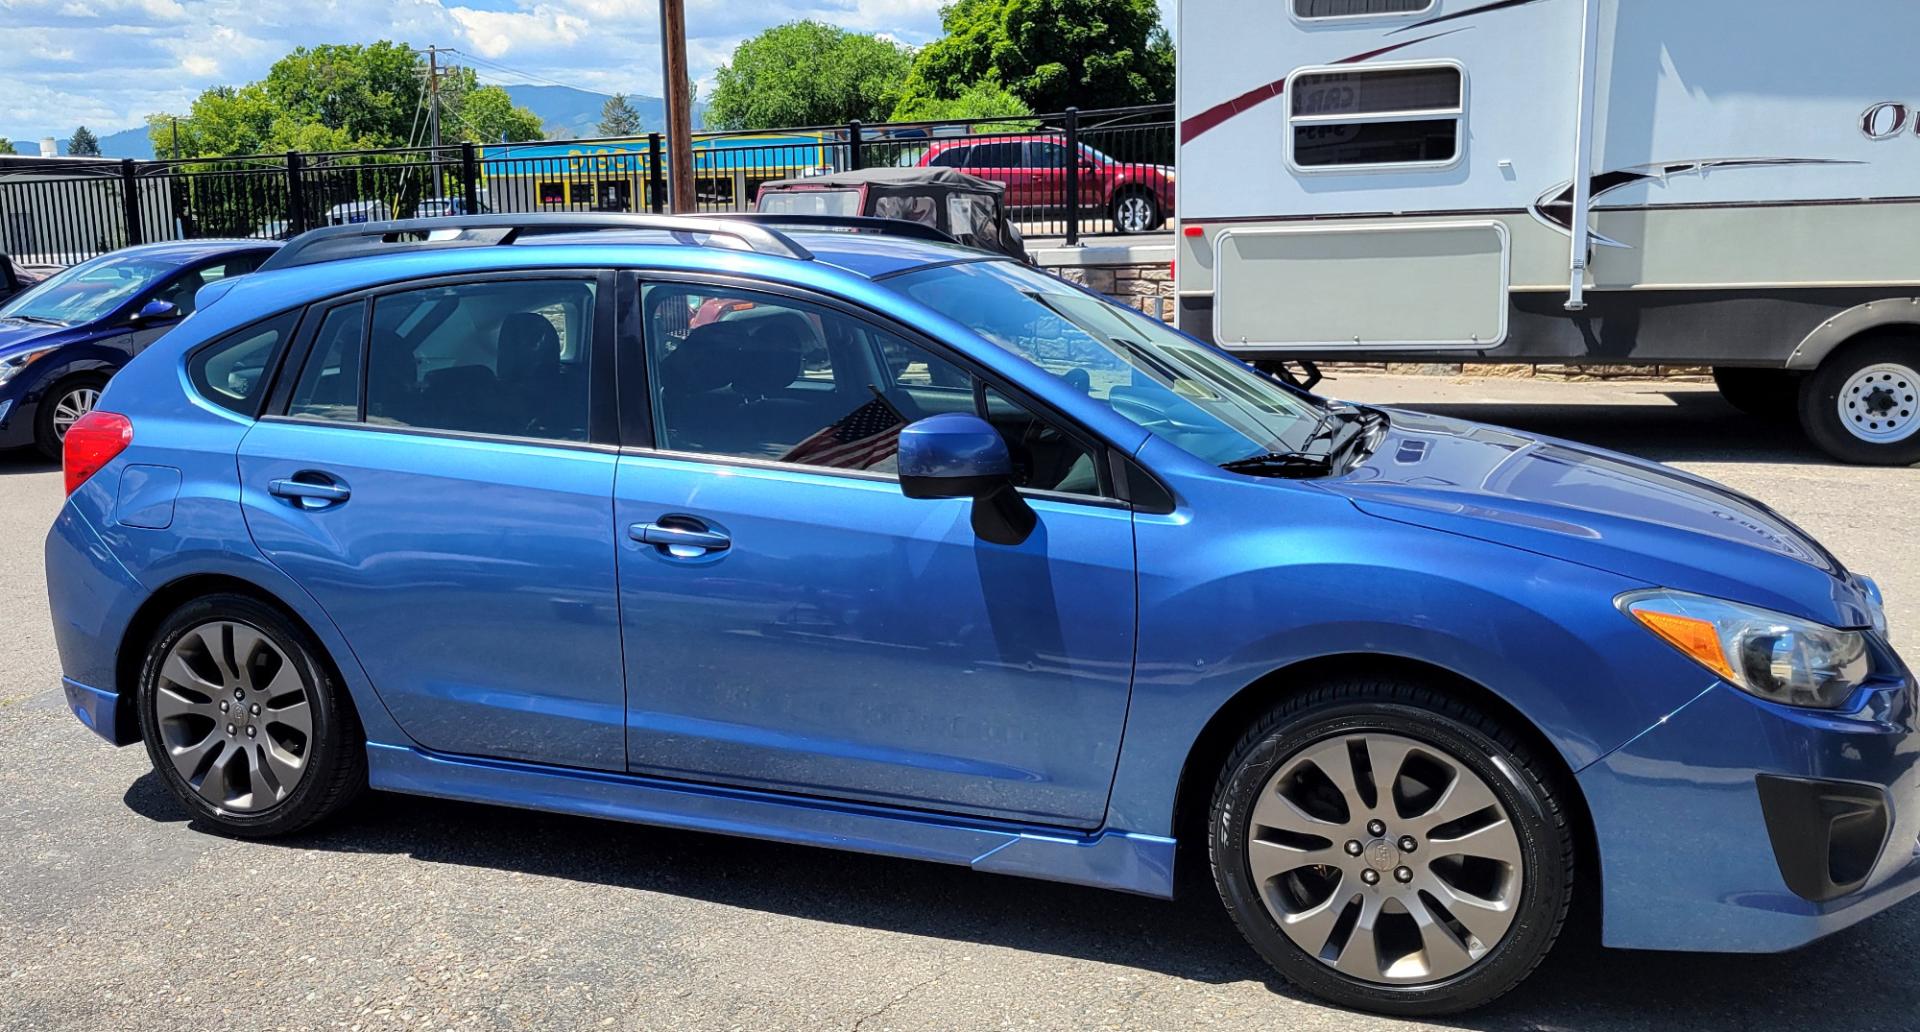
column 16, row 337
column 1601, row 509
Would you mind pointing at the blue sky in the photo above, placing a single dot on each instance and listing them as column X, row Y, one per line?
column 107, row 64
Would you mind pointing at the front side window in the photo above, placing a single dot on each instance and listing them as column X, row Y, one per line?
column 1171, row 385
column 232, row 372
column 1378, row 117
column 86, row 292
column 754, row 376
column 995, row 155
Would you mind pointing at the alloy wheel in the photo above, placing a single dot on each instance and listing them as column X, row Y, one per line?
column 1135, row 213
column 1877, row 403
column 1385, row 858
column 234, row 716
column 71, row 406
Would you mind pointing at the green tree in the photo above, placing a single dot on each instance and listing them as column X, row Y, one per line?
column 981, row 102
column 485, row 114
column 1053, row 54
column 341, row 97
column 807, row 73
column 83, row 144
column 6, row 146
column 618, row 118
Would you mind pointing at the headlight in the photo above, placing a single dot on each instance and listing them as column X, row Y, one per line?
column 11, row 365
column 1771, row 655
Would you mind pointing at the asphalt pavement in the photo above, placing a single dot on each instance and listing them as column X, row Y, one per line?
column 117, row 913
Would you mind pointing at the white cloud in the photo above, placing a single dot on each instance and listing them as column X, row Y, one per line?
column 109, row 63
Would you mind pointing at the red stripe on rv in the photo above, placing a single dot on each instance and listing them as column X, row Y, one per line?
column 1221, row 112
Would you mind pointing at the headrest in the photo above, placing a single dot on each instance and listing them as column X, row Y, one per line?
column 528, row 346
column 705, row 361
column 776, row 349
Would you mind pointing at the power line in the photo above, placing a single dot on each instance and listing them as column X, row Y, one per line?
column 516, row 71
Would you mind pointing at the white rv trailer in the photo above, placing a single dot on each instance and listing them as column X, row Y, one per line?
column 1364, row 179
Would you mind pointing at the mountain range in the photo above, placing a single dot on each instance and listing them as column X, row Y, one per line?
column 565, row 113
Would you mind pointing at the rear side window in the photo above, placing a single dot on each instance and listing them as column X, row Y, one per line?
column 995, row 155
column 329, row 386
column 506, row 357
column 232, row 372
column 952, row 157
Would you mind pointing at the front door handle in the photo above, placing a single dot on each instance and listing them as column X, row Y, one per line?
column 310, row 493
column 684, row 538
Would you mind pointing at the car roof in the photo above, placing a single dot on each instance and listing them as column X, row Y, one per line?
column 180, row 252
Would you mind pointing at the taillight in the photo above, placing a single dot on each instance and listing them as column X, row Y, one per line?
column 92, row 442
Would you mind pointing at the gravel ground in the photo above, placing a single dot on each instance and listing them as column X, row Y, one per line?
column 115, row 913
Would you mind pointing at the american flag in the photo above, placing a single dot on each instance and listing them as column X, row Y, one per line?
column 860, row 439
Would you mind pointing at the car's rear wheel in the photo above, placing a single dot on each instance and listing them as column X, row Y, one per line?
column 62, row 407
column 1863, row 404
column 244, row 721
column 1389, row 849
column 1766, row 393
column 1136, row 211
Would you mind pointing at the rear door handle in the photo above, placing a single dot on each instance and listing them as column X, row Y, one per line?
column 311, row 493
column 683, row 539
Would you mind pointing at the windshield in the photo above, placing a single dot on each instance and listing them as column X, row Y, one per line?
column 87, row 291
column 1193, row 396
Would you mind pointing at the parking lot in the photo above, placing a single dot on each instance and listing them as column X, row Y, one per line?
column 116, row 913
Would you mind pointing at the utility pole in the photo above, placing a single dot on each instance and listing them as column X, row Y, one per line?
column 673, row 45
column 433, row 94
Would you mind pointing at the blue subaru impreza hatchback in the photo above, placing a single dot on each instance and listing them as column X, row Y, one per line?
column 866, row 540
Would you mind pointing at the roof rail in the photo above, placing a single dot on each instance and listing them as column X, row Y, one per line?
column 334, row 243
column 852, row 223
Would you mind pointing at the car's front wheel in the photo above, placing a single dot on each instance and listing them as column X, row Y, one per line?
column 1136, row 211
column 1388, row 849
column 243, row 720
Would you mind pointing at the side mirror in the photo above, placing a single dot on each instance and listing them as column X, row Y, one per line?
column 962, row 456
column 156, row 311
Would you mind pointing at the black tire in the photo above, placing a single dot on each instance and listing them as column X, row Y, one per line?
column 334, row 754
column 45, row 436
column 1820, row 400
column 1154, row 217
column 1410, row 711
column 1763, row 393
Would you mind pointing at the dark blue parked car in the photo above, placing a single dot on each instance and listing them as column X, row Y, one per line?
column 884, row 544
column 61, row 340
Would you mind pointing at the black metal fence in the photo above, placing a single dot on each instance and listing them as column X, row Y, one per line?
column 1074, row 174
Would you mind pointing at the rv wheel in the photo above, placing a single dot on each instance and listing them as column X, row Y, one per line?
column 1863, row 404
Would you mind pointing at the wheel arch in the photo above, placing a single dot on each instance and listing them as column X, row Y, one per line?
column 130, row 657
column 1198, row 773
column 1894, row 315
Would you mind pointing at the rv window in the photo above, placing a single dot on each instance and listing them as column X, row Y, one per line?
column 1309, row 10
column 1393, row 116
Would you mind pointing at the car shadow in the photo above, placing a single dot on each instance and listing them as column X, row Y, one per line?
column 1696, row 427
column 1580, row 986
column 25, row 460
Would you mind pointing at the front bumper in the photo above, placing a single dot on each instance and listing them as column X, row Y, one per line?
column 1736, row 825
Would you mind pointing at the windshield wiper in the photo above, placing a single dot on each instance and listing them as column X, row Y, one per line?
column 36, row 319
column 1282, row 465
column 1355, row 432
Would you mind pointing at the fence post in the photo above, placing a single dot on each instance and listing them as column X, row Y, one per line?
column 296, row 196
column 470, row 177
column 656, row 176
column 130, row 201
column 1071, row 156
column 853, row 146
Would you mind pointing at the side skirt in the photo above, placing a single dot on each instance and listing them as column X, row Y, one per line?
column 1119, row 860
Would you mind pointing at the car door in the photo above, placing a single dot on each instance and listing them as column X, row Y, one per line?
column 437, row 481
column 1046, row 178
column 793, row 622
column 1003, row 161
